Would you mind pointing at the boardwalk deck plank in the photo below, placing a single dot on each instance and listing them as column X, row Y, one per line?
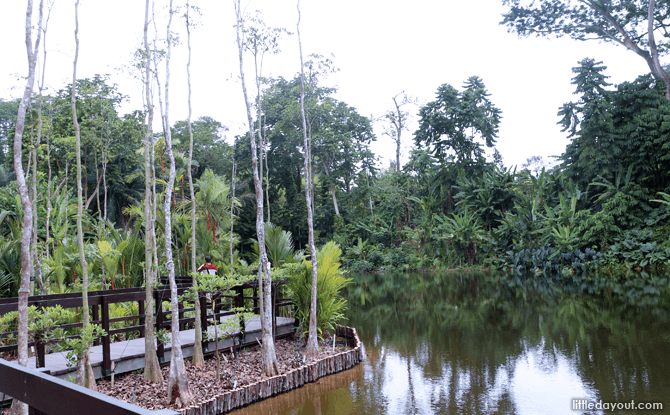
column 128, row 355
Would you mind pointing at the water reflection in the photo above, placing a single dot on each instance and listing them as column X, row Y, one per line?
column 490, row 344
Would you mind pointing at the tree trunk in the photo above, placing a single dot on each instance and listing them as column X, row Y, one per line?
column 104, row 184
column 178, row 388
column 152, row 370
column 270, row 364
column 27, row 227
column 312, row 349
column 332, row 191
column 198, row 356
column 36, row 257
column 85, row 375
column 232, row 207
column 47, row 223
column 655, row 64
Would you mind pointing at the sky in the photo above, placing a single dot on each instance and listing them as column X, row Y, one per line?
column 381, row 48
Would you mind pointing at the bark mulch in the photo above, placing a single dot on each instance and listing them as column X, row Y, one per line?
column 203, row 382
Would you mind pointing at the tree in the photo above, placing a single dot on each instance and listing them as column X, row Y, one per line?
column 455, row 119
column 397, row 122
column 260, row 39
column 312, row 349
column 210, row 151
column 270, row 364
column 152, row 370
column 198, row 357
column 85, row 376
column 614, row 130
column 632, row 24
column 178, row 387
column 27, row 227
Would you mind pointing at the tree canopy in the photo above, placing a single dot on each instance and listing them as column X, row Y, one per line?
column 640, row 26
column 456, row 119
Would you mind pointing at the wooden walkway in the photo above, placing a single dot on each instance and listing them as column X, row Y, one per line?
column 128, row 356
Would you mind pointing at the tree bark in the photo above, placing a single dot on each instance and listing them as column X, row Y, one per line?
column 198, row 356
column 270, row 364
column 85, row 376
column 152, row 370
column 27, row 227
column 312, row 349
column 656, row 67
column 36, row 258
column 178, row 387
column 232, row 207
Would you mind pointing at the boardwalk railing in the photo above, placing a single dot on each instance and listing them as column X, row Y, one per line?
column 48, row 395
column 99, row 301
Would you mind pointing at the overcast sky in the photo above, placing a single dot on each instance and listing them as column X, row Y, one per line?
column 381, row 48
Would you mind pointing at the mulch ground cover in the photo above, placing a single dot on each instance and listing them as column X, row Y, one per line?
column 203, row 382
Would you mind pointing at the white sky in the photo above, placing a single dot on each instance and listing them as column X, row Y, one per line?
column 381, row 47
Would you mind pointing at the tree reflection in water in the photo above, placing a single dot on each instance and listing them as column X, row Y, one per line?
column 494, row 344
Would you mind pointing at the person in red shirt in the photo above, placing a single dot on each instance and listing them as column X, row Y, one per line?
column 208, row 267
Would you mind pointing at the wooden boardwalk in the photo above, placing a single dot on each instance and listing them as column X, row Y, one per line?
column 128, row 356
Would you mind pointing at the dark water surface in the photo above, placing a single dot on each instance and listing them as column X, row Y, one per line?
column 494, row 344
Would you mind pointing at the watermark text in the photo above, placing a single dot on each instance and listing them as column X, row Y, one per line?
column 586, row 404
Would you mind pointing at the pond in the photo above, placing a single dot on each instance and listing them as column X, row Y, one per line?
column 469, row 343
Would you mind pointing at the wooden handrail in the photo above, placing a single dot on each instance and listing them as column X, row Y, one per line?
column 100, row 300
column 53, row 396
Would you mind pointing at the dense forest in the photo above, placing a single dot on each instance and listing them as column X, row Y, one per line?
column 604, row 205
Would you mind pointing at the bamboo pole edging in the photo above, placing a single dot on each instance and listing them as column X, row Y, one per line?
column 293, row 379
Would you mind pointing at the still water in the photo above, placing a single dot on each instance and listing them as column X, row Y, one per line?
column 495, row 344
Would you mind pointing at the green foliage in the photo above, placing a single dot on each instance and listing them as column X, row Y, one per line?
column 464, row 231
column 450, row 122
column 330, row 281
column 616, row 131
column 278, row 246
column 550, row 262
column 637, row 249
column 76, row 347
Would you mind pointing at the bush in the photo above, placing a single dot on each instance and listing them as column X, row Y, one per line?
column 330, row 281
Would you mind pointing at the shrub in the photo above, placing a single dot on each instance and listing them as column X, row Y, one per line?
column 330, row 281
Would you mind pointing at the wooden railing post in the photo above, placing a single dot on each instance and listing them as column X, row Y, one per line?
column 96, row 316
column 239, row 302
column 142, row 321
column 106, row 340
column 39, row 345
column 203, row 321
column 40, row 350
column 182, row 324
column 160, row 350
column 273, row 294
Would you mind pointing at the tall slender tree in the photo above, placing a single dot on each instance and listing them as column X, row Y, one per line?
column 27, row 227
column 152, row 368
column 198, row 357
column 270, row 364
column 37, row 260
column 178, row 387
column 85, row 376
column 312, row 349
column 260, row 39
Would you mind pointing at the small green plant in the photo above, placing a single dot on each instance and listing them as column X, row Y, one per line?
column 76, row 347
column 209, row 286
column 330, row 280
